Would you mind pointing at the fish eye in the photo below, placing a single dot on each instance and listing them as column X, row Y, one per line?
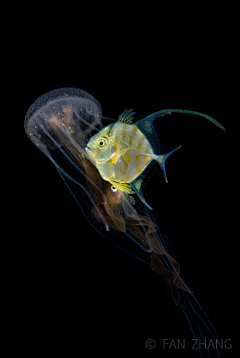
column 102, row 143
column 113, row 188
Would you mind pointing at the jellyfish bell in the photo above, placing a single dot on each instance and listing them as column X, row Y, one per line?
column 60, row 124
column 71, row 111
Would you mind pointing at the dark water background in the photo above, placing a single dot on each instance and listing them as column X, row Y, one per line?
column 75, row 290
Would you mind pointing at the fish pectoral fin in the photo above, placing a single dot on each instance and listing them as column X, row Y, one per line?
column 122, row 148
column 119, row 154
column 115, row 159
column 126, row 188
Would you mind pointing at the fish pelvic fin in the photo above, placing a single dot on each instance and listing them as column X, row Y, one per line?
column 126, row 188
column 162, row 158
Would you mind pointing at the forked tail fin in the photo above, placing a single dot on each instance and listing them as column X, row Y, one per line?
column 162, row 158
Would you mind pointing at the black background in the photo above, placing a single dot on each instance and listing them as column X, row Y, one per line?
column 75, row 290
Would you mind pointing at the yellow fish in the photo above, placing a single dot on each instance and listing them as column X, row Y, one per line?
column 123, row 150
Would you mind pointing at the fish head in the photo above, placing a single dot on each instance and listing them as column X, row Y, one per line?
column 101, row 146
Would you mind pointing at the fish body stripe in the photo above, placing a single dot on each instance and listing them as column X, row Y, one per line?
column 130, row 135
column 137, row 157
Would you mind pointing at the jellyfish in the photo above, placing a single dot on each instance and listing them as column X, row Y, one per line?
column 60, row 124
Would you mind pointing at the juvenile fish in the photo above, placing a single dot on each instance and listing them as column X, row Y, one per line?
column 122, row 151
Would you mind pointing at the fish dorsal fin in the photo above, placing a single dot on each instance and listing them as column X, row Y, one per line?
column 185, row 111
column 146, row 127
column 136, row 185
column 126, row 116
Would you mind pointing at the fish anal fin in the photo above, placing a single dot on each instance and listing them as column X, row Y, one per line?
column 136, row 186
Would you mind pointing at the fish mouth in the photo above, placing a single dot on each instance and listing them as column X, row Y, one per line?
column 90, row 152
column 92, row 155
